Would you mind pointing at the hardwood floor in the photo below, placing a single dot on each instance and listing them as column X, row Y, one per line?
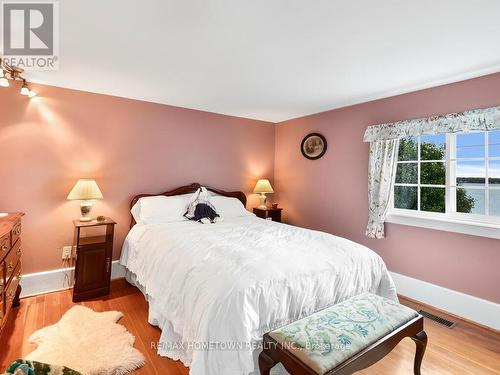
column 465, row 349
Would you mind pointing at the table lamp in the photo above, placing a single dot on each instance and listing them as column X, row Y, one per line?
column 263, row 187
column 85, row 190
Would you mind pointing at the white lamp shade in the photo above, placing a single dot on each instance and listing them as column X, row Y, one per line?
column 263, row 186
column 85, row 188
column 25, row 91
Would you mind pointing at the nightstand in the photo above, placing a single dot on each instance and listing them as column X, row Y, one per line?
column 93, row 258
column 265, row 213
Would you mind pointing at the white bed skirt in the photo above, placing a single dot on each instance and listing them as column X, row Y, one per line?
column 154, row 319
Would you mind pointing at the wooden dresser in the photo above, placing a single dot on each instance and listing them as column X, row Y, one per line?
column 10, row 264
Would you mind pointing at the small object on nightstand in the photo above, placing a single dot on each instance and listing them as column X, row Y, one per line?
column 101, row 218
column 273, row 213
column 93, row 260
column 274, row 205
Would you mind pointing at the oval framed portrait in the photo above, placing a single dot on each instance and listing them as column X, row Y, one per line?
column 313, row 146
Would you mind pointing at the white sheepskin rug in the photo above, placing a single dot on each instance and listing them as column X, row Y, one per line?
column 89, row 342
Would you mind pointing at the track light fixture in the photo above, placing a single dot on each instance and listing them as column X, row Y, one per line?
column 14, row 73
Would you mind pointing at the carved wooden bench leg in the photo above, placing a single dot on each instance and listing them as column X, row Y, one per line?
column 421, row 343
column 15, row 302
column 266, row 363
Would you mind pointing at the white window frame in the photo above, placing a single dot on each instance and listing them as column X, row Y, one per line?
column 478, row 225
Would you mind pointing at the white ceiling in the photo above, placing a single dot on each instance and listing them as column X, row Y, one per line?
column 272, row 59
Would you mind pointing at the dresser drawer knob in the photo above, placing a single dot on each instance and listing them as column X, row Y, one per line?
column 18, row 231
column 10, row 267
column 4, row 247
column 19, row 251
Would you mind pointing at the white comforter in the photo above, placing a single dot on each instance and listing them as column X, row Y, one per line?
column 214, row 289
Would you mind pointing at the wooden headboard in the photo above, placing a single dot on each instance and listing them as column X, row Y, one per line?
column 191, row 189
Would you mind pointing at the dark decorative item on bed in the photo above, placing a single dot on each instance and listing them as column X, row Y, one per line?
column 200, row 209
column 313, row 146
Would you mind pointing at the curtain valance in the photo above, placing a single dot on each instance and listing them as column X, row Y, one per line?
column 477, row 119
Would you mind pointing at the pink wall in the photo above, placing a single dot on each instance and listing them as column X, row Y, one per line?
column 330, row 194
column 129, row 146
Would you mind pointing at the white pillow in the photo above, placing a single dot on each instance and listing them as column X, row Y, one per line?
column 228, row 207
column 160, row 209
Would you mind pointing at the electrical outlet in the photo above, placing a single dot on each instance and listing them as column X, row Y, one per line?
column 66, row 252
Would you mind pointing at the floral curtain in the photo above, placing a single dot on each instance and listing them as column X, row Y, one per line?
column 381, row 175
column 478, row 119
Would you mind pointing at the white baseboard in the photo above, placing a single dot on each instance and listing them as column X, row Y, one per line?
column 469, row 307
column 54, row 280
column 117, row 270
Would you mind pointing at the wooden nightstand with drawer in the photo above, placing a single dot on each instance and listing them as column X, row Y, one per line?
column 10, row 264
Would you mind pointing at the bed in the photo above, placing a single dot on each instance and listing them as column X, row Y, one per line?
column 215, row 289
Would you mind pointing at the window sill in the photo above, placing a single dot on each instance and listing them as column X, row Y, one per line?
column 490, row 230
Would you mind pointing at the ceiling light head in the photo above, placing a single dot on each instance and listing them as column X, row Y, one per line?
column 4, row 82
column 25, row 89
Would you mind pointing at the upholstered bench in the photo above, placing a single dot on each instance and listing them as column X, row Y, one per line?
column 344, row 338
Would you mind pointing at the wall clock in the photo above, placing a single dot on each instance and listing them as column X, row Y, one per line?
column 313, row 146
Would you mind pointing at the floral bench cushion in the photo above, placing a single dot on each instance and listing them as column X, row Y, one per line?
column 22, row 367
column 329, row 337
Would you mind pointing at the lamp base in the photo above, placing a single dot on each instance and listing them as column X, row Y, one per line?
column 85, row 208
column 262, row 198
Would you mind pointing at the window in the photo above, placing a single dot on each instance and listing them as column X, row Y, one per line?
column 421, row 174
column 454, row 176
